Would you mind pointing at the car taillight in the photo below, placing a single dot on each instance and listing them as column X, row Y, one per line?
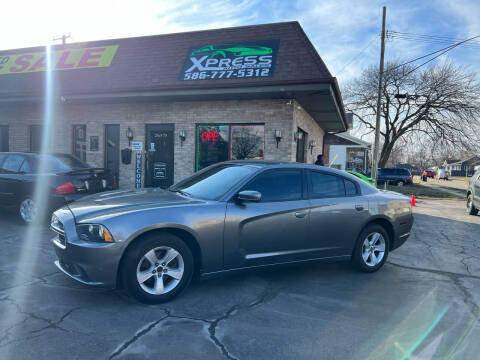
column 410, row 177
column 66, row 188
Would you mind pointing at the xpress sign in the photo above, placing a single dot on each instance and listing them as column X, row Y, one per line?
column 227, row 61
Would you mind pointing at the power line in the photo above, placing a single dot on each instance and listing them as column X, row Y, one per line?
column 441, row 51
column 434, row 39
column 356, row 56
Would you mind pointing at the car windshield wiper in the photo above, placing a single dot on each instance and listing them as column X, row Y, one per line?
column 181, row 192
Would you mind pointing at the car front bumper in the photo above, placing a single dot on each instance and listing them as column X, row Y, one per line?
column 87, row 262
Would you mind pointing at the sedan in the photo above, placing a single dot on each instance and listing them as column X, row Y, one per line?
column 229, row 217
column 60, row 178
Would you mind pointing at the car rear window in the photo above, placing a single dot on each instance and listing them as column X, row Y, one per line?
column 12, row 163
column 278, row 185
column 56, row 163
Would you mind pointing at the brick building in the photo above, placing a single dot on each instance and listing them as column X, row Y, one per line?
column 187, row 100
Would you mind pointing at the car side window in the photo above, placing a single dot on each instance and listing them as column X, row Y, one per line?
column 26, row 167
column 350, row 188
column 12, row 163
column 278, row 185
column 325, row 185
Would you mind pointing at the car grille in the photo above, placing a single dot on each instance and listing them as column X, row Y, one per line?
column 57, row 227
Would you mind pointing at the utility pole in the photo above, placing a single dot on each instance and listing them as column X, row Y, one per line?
column 63, row 38
column 379, row 102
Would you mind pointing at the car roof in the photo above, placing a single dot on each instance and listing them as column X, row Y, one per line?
column 286, row 164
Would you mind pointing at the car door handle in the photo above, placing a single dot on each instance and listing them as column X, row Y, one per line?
column 359, row 207
column 300, row 214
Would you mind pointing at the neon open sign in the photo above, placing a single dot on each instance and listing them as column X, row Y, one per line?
column 209, row 136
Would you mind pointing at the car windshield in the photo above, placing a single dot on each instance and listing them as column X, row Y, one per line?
column 61, row 163
column 213, row 182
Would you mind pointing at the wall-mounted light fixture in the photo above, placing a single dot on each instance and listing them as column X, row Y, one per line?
column 278, row 136
column 298, row 135
column 182, row 135
column 129, row 134
column 311, row 145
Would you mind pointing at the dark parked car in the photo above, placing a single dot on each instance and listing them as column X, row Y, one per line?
column 61, row 178
column 228, row 217
column 394, row 176
column 473, row 194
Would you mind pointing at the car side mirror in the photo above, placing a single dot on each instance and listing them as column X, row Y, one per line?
column 249, row 195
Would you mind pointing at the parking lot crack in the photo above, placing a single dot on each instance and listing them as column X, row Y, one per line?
column 267, row 295
column 456, row 278
column 139, row 334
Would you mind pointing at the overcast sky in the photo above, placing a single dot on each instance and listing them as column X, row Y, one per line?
column 339, row 29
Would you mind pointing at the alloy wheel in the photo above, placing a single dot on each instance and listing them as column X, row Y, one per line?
column 28, row 210
column 400, row 183
column 160, row 270
column 373, row 249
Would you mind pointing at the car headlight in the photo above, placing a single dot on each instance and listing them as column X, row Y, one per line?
column 94, row 232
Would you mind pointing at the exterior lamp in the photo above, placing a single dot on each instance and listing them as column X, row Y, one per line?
column 278, row 136
column 129, row 134
column 182, row 135
column 298, row 135
column 311, row 145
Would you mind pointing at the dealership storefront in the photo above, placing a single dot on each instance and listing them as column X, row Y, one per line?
column 155, row 109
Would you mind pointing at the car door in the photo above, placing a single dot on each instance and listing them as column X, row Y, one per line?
column 272, row 230
column 338, row 213
column 476, row 190
column 10, row 179
column 382, row 176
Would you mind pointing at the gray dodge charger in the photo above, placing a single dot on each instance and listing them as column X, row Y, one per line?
column 228, row 217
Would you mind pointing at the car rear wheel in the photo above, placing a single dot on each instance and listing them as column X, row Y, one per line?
column 400, row 183
column 28, row 210
column 157, row 268
column 371, row 250
column 471, row 209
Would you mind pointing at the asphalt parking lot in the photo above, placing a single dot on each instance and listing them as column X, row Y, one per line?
column 424, row 304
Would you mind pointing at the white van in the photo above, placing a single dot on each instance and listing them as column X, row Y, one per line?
column 442, row 174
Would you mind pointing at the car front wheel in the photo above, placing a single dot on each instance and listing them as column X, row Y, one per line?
column 400, row 183
column 157, row 268
column 471, row 209
column 371, row 250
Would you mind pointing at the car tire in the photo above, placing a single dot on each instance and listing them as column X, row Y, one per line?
column 471, row 209
column 372, row 240
column 148, row 268
column 400, row 183
column 27, row 210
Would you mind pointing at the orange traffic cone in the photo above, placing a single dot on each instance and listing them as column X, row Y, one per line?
column 413, row 200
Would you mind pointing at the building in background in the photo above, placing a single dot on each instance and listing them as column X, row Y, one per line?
column 465, row 167
column 155, row 109
column 346, row 152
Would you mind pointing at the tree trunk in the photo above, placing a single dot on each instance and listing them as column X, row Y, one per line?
column 385, row 154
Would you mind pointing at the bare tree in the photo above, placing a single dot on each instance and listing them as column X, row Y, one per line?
column 246, row 144
column 442, row 105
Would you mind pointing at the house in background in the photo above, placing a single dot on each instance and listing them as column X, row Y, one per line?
column 346, row 152
column 465, row 167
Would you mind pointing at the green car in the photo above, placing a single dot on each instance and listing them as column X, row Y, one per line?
column 236, row 50
column 361, row 176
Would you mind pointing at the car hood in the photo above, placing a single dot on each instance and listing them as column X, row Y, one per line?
column 120, row 201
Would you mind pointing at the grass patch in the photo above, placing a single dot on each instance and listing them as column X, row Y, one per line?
column 420, row 191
